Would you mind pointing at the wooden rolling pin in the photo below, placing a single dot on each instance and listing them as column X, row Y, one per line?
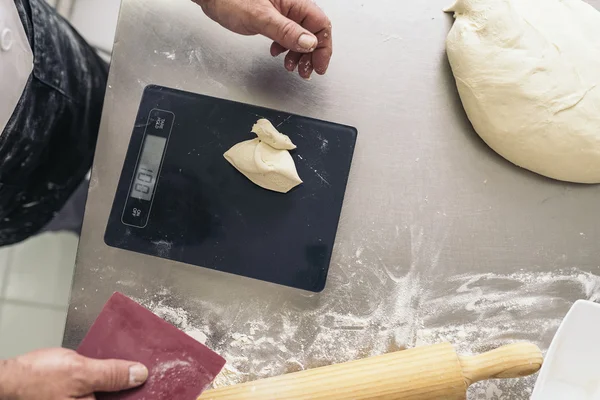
column 431, row 372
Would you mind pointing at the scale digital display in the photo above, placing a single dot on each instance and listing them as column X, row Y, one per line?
column 147, row 171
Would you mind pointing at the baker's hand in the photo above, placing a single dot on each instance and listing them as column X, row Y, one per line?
column 60, row 374
column 299, row 26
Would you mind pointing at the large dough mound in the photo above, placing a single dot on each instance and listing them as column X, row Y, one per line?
column 528, row 74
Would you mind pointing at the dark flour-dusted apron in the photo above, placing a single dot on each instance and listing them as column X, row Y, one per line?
column 47, row 147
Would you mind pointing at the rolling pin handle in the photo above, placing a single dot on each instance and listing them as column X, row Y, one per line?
column 511, row 361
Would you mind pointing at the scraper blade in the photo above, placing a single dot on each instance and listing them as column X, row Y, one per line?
column 179, row 366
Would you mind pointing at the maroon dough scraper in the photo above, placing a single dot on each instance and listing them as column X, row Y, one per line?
column 179, row 367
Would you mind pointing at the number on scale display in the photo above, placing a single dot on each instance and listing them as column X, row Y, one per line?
column 145, row 177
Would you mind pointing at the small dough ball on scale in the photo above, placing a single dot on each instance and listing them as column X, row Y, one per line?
column 266, row 160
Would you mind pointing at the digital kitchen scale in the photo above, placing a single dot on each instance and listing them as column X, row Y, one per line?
column 179, row 199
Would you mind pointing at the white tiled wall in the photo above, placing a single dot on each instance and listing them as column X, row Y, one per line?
column 96, row 20
column 85, row 17
column 35, row 276
column 34, row 292
column 27, row 327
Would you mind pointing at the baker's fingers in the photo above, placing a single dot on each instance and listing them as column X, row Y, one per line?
column 305, row 66
column 291, row 60
column 277, row 49
column 286, row 32
column 113, row 375
column 314, row 19
column 307, row 13
column 322, row 54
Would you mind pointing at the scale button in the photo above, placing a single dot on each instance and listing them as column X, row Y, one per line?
column 6, row 39
column 136, row 215
column 161, row 122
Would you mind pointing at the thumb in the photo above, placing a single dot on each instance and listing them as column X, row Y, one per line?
column 286, row 32
column 115, row 375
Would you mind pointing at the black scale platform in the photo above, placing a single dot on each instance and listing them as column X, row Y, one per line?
column 179, row 199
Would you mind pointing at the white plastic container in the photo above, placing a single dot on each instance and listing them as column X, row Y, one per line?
column 571, row 369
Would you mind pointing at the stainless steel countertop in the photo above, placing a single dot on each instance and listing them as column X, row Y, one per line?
column 440, row 238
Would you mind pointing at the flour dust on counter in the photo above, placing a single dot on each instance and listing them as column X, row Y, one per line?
column 278, row 341
column 396, row 303
column 498, row 308
column 317, row 328
column 405, row 310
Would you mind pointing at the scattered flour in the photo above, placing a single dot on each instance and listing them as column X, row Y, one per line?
column 198, row 335
column 163, row 247
column 162, row 369
column 171, row 56
column 368, row 311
